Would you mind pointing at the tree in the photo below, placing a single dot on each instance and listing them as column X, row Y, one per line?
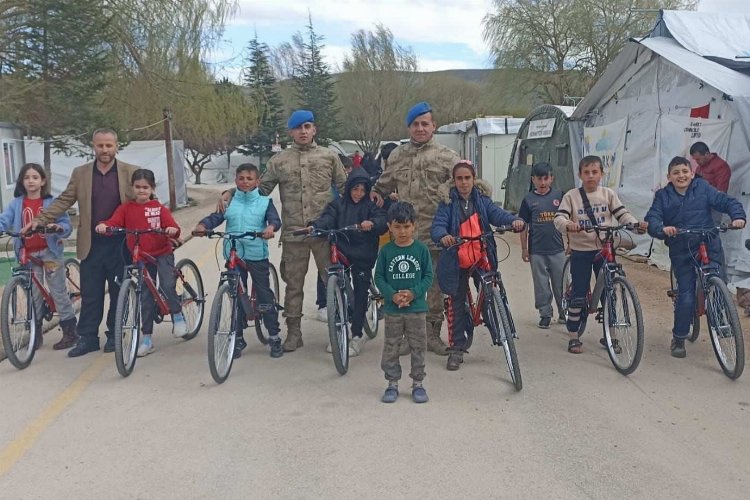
column 264, row 96
column 377, row 84
column 315, row 86
column 566, row 44
column 54, row 65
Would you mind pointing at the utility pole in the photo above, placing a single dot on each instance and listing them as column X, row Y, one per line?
column 170, row 158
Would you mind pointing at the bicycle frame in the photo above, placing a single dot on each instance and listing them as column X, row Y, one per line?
column 137, row 270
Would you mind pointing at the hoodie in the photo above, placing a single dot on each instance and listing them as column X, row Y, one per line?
column 361, row 247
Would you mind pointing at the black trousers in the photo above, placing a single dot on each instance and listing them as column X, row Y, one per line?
column 361, row 278
column 264, row 298
column 103, row 265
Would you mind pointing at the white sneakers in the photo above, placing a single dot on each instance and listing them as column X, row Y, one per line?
column 323, row 315
column 179, row 326
column 356, row 344
column 146, row 347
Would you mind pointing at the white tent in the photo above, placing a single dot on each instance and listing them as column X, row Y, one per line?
column 146, row 154
column 486, row 142
column 688, row 81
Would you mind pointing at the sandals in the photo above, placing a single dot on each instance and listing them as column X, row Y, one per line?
column 575, row 346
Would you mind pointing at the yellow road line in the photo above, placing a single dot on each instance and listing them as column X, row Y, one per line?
column 17, row 448
column 20, row 445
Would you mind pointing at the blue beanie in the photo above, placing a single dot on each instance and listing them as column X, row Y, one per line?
column 417, row 110
column 299, row 117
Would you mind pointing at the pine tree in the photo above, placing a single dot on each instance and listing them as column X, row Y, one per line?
column 264, row 95
column 315, row 87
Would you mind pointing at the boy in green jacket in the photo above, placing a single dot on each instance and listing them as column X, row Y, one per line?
column 403, row 274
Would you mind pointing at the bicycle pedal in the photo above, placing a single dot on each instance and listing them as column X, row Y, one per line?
column 599, row 315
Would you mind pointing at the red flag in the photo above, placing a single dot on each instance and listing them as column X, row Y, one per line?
column 700, row 112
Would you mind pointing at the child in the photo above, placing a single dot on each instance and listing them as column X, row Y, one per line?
column 145, row 212
column 580, row 208
column 686, row 203
column 250, row 211
column 361, row 249
column 541, row 244
column 469, row 214
column 32, row 196
column 403, row 274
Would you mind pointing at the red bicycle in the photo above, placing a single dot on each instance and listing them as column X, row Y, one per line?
column 19, row 318
column 135, row 282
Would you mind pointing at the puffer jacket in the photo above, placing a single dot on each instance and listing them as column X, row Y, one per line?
column 447, row 221
column 361, row 247
column 691, row 211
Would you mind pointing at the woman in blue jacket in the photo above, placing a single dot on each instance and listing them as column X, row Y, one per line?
column 468, row 213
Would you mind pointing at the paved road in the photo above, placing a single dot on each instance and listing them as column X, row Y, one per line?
column 294, row 428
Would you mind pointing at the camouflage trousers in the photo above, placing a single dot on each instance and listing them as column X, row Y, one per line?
column 434, row 295
column 412, row 327
column 295, row 261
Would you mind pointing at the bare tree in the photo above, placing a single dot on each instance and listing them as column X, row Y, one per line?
column 378, row 81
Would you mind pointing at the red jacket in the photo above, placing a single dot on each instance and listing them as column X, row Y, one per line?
column 150, row 215
column 716, row 172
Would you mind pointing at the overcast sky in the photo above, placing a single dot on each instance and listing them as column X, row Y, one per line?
column 443, row 35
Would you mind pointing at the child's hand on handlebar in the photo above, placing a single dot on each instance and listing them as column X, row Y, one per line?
column 170, row 231
column 670, row 231
column 55, row 228
column 518, row 225
column 447, row 240
column 268, row 233
column 366, row 225
column 738, row 223
column 641, row 228
column 200, row 230
column 573, row 227
column 101, row 228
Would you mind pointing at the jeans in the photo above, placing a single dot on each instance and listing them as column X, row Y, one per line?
column 581, row 265
column 53, row 273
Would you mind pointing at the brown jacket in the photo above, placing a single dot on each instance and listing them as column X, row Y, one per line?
column 79, row 190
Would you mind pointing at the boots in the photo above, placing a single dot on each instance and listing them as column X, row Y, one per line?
column 293, row 339
column 434, row 342
column 70, row 334
column 38, row 339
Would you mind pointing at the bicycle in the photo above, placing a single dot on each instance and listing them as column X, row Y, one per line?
column 340, row 297
column 619, row 301
column 492, row 303
column 714, row 300
column 18, row 315
column 223, row 319
column 136, row 280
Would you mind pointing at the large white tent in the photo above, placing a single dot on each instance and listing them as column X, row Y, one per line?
column 688, row 81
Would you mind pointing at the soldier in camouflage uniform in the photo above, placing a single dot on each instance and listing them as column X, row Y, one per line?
column 304, row 174
column 415, row 171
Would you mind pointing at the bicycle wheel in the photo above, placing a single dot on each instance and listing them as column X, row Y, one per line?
column 192, row 300
column 624, row 339
column 338, row 326
column 724, row 328
column 372, row 315
column 127, row 327
column 18, row 322
column 73, row 279
column 695, row 326
column 221, row 334
column 260, row 329
column 499, row 321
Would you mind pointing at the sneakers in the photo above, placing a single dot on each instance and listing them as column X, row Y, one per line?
column 356, row 345
column 323, row 315
column 561, row 320
column 239, row 345
column 109, row 345
column 276, row 350
column 544, row 322
column 419, row 395
column 84, row 346
column 678, row 348
column 390, row 395
column 146, row 347
column 179, row 326
column 454, row 360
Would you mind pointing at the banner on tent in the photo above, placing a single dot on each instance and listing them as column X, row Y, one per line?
column 678, row 133
column 607, row 142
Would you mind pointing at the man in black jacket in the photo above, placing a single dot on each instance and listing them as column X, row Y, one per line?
column 361, row 248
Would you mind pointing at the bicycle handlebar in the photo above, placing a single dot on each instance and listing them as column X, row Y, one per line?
column 599, row 229
column 31, row 232
column 460, row 240
column 721, row 228
column 228, row 235
column 122, row 230
column 325, row 232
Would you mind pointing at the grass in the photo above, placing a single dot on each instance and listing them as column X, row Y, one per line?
column 8, row 262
